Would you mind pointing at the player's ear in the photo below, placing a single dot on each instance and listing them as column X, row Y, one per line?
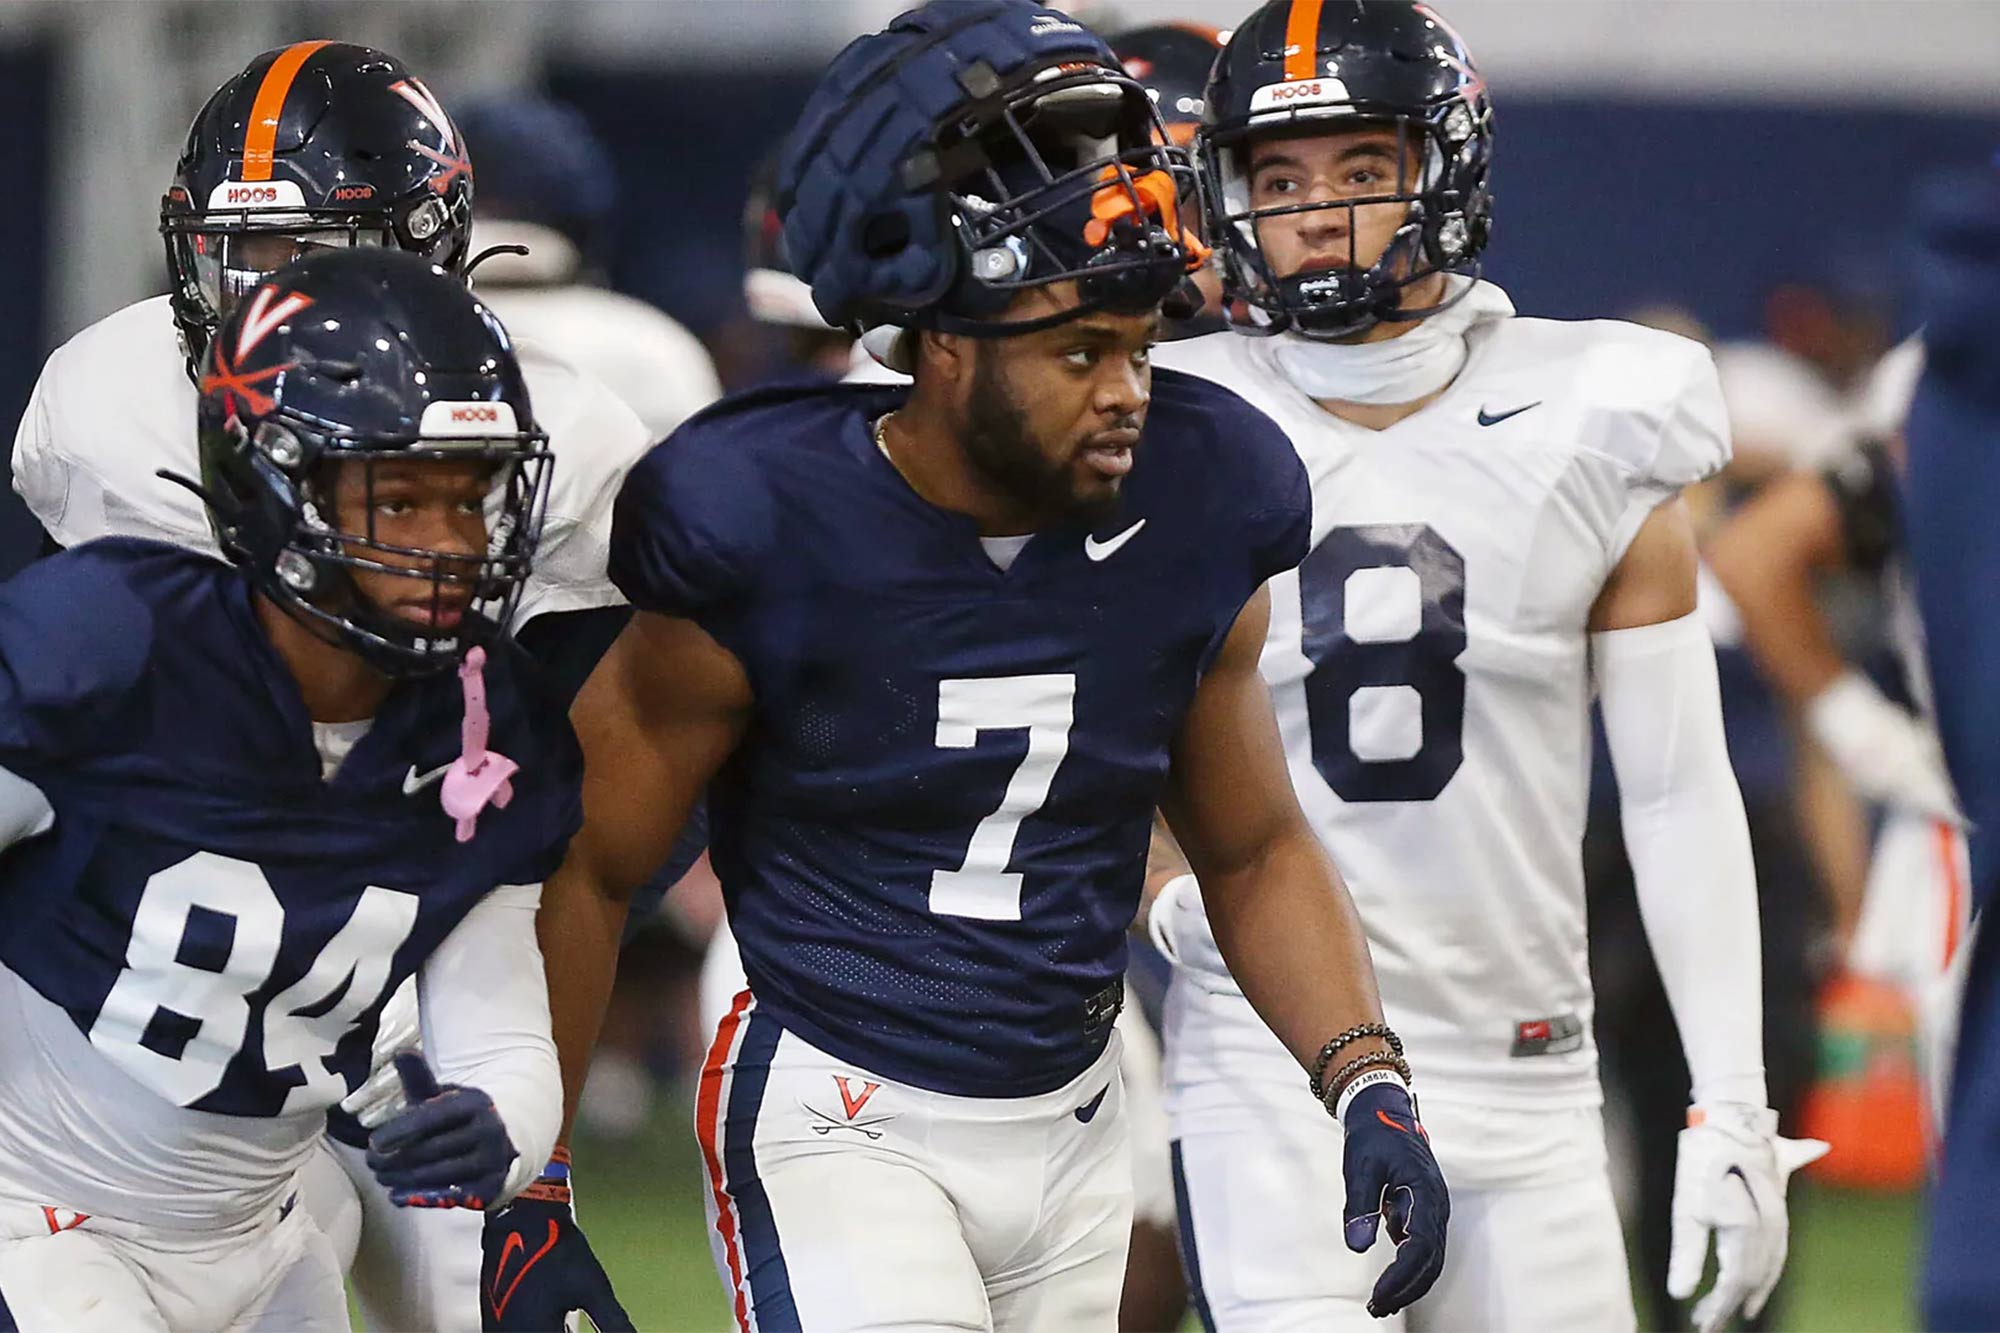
column 946, row 357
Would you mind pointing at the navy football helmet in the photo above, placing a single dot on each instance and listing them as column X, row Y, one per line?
column 772, row 291
column 1171, row 61
column 541, row 163
column 344, row 359
column 974, row 150
column 316, row 144
column 1296, row 65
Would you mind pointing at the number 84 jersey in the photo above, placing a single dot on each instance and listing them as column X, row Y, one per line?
column 193, row 959
column 1429, row 663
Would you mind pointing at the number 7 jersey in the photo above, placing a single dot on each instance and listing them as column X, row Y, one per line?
column 932, row 837
column 1429, row 663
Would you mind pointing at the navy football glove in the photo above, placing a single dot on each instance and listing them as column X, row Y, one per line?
column 1392, row 1177
column 447, row 1149
column 538, row 1267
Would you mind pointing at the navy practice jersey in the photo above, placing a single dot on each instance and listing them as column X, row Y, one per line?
column 221, row 922
column 932, row 838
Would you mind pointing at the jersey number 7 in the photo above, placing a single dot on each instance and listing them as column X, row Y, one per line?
column 983, row 887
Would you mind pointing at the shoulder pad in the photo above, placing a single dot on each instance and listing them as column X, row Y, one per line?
column 64, row 676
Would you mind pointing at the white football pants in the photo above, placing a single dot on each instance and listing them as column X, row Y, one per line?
column 1534, row 1241
column 840, row 1200
column 62, row 1272
column 411, row 1268
column 1139, row 1068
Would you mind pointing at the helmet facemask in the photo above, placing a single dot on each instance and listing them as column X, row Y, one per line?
column 317, row 573
column 1439, row 186
column 216, row 256
column 1069, row 178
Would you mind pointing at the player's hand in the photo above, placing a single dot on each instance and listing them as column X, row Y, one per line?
column 1392, row 1177
column 1730, row 1180
column 1885, row 753
column 448, row 1149
column 380, row 1095
column 538, row 1267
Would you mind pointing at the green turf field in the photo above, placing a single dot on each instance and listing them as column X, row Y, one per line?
column 1853, row 1254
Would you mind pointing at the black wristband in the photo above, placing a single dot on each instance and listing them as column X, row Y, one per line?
column 1346, row 1039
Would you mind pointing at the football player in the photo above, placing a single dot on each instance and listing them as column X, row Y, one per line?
column 1770, row 558
column 943, row 649
column 1154, row 1295
column 1171, row 62
column 1952, row 488
column 313, row 146
column 1495, row 533
column 546, row 187
column 247, row 800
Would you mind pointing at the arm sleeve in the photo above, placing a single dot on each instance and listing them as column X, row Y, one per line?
column 1689, row 844
column 1691, row 444
column 485, row 1007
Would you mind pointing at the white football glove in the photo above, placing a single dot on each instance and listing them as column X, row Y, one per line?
column 380, row 1098
column 1162, row 925
column 1888, row 756
column 1730, row 1180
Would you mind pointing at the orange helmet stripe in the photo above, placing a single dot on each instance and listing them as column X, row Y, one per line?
column 262, row 135
column 1302, row 39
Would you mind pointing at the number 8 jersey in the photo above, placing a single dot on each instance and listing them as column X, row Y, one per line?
column 1429, row 662
column 932, row 837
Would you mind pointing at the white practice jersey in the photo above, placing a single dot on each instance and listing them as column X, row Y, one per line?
column 114, row 405
column 1429, row 664
column 655, row 366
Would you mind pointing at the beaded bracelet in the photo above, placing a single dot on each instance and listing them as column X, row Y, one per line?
column 1345, row 1039
column 1347, row 1072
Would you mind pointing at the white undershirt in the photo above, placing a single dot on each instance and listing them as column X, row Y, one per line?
column 334, row 741
column 1002, row 550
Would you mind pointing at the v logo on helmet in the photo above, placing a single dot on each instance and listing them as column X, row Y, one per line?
column 267, row 311
column 418, row 96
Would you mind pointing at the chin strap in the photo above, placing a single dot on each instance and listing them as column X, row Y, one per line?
column 479, row 777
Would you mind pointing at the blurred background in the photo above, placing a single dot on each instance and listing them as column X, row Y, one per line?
column 1735, row 170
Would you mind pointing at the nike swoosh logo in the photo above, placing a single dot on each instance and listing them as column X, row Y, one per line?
column 1098, row 550
column 514, row 1245
column 1088, row 1111
column 1744, row 1180
column 414, row 782
column 1489, row 419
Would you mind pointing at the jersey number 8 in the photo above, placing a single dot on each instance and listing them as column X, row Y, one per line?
column 1408, row 643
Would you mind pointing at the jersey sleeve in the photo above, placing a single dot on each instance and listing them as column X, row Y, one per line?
column 40, row 478
column 594, row 438
column 690, row 529
column 68, row 681
column 1284, row 526
column 549, row 753
column 1265, row 482
column 1689, row 427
